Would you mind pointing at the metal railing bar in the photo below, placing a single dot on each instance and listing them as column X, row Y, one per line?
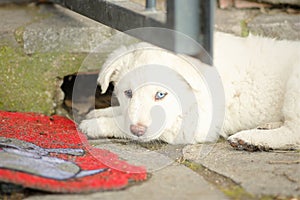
column 151, row 5
column 193, row 18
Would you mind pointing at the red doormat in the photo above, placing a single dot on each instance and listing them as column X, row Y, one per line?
column 49, row 154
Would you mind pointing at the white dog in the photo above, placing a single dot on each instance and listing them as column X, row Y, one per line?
column 261, row 80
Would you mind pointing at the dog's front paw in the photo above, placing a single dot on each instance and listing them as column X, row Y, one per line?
column 95, row 114
column 101, row 127
column 91, row 127
column 246, row 141
column 104, row 113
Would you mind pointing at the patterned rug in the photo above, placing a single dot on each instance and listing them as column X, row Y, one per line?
column 48, row 153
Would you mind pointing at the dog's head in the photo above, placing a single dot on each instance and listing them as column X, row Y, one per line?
column 152, row 89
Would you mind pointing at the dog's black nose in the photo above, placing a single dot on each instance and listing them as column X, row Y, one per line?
column 138, row 130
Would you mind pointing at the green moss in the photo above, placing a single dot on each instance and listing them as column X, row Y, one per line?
column 19, row 35
column 226, row 185
column 29, row 83
column 244, row 28
column 193, row 166
column 230, row 188
column 236, row 193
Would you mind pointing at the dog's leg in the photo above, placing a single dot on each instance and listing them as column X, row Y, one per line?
column 104, row 112
column 101, row 127
column 285, row 137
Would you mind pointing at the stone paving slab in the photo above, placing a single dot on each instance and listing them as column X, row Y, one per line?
column 173, row 182
column 154, row 160
column 63, row 30
column 169, row 180
column 274, row 24
column 277, row 25
column 292, row 2
column 12, row 18
column 256, row 4
column 260, row 173
column 232, row 22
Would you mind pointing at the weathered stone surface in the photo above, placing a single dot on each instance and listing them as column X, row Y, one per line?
column 291, row 2
column 15, row 1
column 29, row 83
column 255, row 4
column 233, row 22
column 154, row 160
column 168, row 180
column 260, row 173
column 274, row 24
column 277, row 25
column 13, row 19
column 64, row 31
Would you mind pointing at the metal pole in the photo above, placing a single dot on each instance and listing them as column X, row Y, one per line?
column 151, row 5
column 193, row 18
column 187, row 22
column 208, row 8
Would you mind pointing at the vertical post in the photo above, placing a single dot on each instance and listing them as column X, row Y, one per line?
column 207, row 19
column 187, row 22
column 151, row 5
column 193, row 18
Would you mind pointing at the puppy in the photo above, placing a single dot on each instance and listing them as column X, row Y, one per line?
column 167, row 96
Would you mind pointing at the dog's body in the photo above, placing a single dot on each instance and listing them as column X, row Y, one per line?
column 261, row 80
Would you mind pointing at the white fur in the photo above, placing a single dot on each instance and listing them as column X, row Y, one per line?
column 261, row 80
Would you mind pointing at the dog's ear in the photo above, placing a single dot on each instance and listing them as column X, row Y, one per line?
column 108, row 74
column 116, row 62
column 111, row 69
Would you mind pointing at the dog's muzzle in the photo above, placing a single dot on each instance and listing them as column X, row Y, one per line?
column 138, row 130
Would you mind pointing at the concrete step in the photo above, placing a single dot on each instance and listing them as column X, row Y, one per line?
column 59, row 29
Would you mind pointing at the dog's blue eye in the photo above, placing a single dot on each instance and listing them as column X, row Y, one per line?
column 128, row 93
column 160, row 95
